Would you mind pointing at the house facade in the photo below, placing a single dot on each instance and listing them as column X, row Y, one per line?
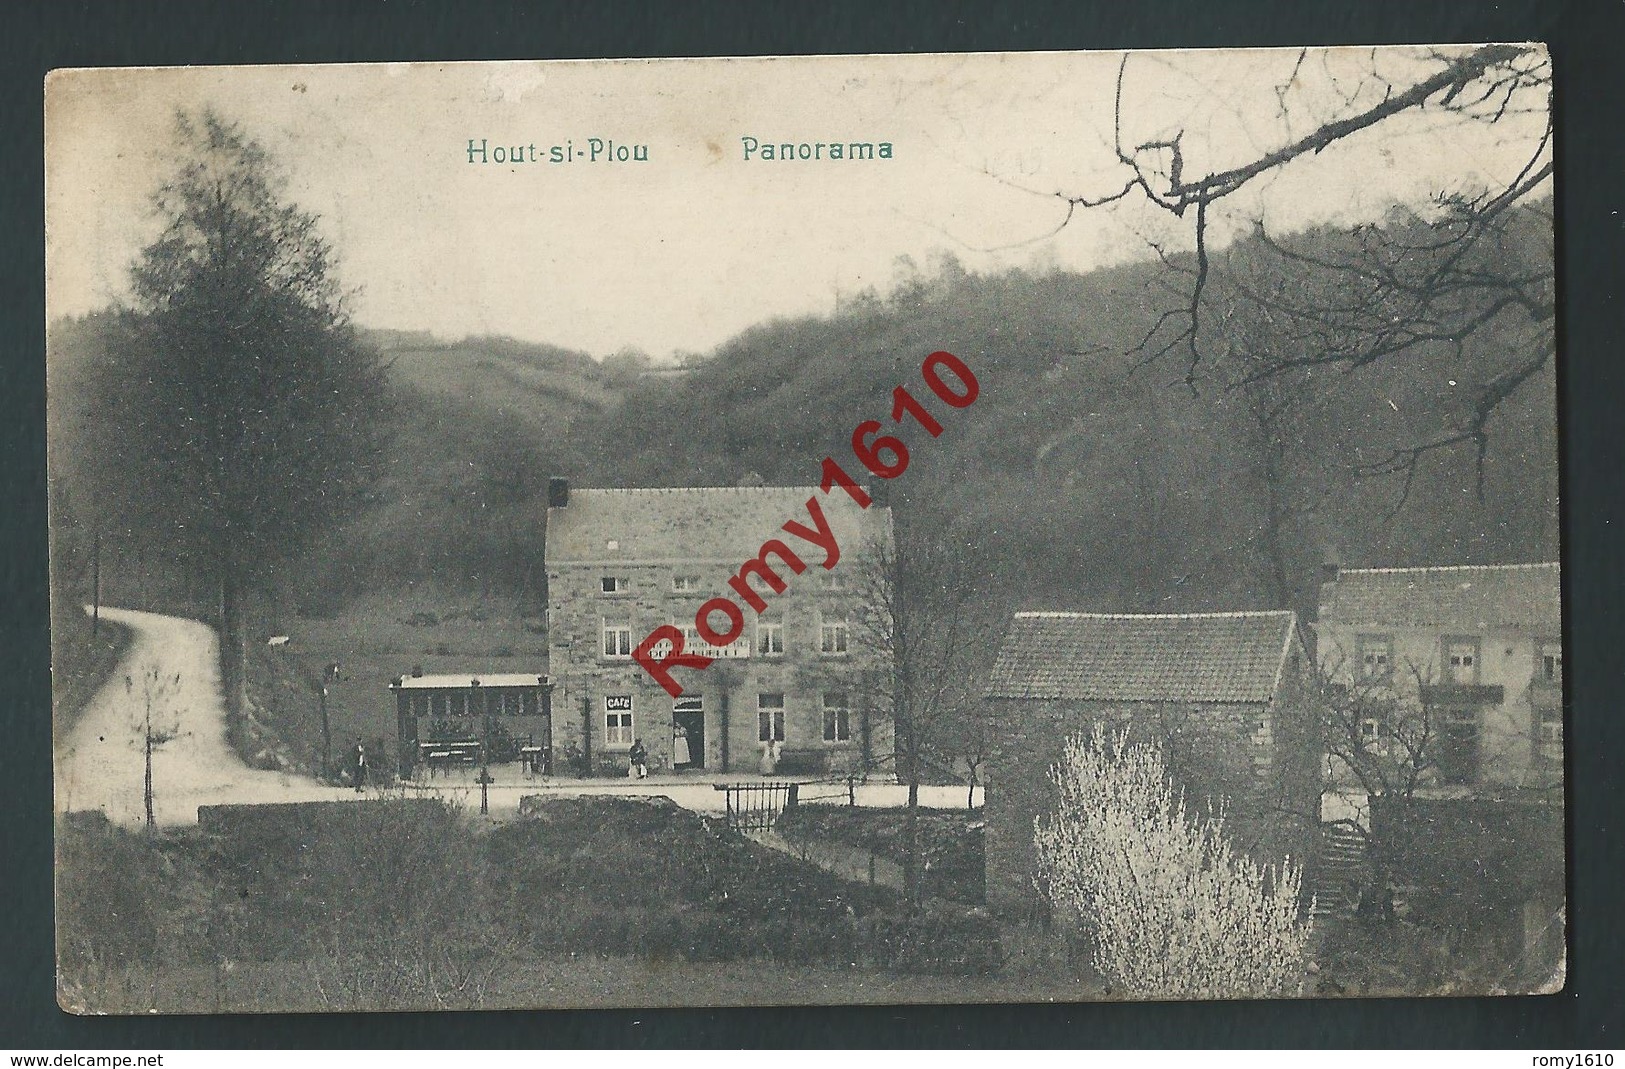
column 1223, row 692
column 1476, row 654
column 621, row 563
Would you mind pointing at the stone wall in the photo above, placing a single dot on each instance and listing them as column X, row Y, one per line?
column 1264, row 762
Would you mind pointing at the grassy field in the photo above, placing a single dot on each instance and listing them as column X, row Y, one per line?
column 374, row 640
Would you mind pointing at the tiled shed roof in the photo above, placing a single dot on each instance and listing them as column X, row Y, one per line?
column 1465, row 598
column 725, row 523
column 1200, row 657
column 488, row 680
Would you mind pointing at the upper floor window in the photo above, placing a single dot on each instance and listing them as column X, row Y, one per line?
column 1551, row 663
column 685, row 584
column 832, row 637
column 1376, row 656
column 769, row 639
column 614, row 584
column 617, row 640
column 1461, row 660
column 832, row 581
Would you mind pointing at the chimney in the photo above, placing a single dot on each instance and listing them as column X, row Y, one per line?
column 417, row 671
column 1329, row 570
column 558, row 492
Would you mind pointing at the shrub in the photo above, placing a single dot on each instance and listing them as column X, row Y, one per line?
column 1174, row 912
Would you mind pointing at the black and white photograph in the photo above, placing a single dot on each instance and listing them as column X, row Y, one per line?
column 818, row 530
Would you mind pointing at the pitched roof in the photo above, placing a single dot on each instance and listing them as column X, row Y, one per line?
column 1198, row 657
column 715, row 523
column 1469, row 598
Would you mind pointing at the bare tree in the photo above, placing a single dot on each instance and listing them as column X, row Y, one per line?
column 919, row 609
column 153, row 690
column 1439, row 280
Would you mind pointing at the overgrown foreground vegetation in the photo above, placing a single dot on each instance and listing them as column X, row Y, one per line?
column 400, row 903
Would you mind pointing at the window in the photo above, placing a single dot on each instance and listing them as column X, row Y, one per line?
column 685, row 584
column 837, row 719
column 614, row 584
column 1371, row 733
column 832, row 581
column 618, row 720
column 688, row 704
column 770, row 639
column 617, row 640
column 1549, row 733
column 770, row 717
column 1461, row 660
column 832, row 637
column 1376, row 656
column 1551, row 663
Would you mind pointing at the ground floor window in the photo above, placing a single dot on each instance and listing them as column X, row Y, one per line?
column 770, row 717
column 618, row 720
column 1549, row 733
column 837, row 718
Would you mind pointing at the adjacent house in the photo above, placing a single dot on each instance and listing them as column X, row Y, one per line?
column 1475, row 652
column 622, row 562
column 1222, row 691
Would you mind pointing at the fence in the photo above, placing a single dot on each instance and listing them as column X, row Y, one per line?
column 757, row 806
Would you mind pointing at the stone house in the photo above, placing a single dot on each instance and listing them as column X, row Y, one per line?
column 1223, row 692
column 1476, row 649
column 622, row 562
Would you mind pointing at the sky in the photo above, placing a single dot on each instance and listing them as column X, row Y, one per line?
column 682, row 251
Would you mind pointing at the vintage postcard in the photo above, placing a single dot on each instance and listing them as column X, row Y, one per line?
column 846, row 529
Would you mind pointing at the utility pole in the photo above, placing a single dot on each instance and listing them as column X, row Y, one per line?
column 96, row 582
column 485, row 750
column 330, row 674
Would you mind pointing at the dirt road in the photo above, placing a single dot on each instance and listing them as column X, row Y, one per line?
column 102, row 765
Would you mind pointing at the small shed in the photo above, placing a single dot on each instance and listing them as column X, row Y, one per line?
column 474, row 718
column 1221, row 691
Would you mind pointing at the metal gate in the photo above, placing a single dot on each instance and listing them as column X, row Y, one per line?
column 757, row 806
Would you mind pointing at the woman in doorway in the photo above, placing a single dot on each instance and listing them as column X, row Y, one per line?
column 679, row 747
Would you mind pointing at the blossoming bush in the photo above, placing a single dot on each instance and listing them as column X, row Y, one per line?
column 1173, row 911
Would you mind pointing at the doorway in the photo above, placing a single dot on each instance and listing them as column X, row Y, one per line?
column 688, row 731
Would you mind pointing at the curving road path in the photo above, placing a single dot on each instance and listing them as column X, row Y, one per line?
column 101, row 765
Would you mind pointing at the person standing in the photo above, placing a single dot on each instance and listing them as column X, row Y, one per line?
column 680, row 756
column 640, row 759
column 359, row 760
